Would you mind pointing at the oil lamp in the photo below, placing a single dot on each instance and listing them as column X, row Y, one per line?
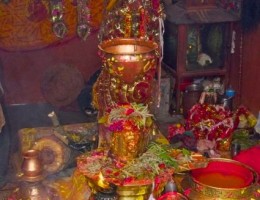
column 107, row 194
column 101, row 181
column 102, row 189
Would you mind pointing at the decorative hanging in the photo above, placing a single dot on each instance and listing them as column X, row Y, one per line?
column 142, row 26
column 132, row 18
column 83, row 28
column 59, row 28
column 26, row 25
column 128, row 25
column 35, row 24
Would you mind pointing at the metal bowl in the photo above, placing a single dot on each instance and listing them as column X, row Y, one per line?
column 129, row 58
column 231, row 171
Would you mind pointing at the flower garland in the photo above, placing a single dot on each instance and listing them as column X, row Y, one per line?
column 210, row 122
column 126, row 116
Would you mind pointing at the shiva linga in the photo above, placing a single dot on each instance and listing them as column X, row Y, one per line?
column 127, row 76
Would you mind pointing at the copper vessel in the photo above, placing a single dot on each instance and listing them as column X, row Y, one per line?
column 31, row 167
column 128, row 58
column 128, row 70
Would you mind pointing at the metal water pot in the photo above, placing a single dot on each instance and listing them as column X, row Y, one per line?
column 191, row 97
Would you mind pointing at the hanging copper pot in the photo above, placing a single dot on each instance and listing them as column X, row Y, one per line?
column 129, row 67
column 128, row 58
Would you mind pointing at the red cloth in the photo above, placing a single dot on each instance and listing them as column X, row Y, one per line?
column 250, row 157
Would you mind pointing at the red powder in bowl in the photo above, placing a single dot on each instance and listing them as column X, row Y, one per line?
column 223, row 174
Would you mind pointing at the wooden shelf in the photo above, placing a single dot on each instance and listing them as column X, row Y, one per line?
column 198, row 73
column 180, row 61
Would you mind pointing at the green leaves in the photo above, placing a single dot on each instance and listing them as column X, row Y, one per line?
column 162, row 152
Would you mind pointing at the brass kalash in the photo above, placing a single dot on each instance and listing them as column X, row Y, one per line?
column 127, row 76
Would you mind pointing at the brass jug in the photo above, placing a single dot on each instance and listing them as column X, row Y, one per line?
column 31, row 166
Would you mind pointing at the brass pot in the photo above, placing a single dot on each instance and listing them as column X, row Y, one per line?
column 225, row 193
column 129, row 144
column 31, row 166
column 133, row 192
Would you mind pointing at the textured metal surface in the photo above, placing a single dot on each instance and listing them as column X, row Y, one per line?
column 127, row 46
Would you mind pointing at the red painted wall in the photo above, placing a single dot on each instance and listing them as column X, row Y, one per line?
column 245, row 71
column 250, row 90
column 23, row 71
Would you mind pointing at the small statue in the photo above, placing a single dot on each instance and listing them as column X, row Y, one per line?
column 204, row 59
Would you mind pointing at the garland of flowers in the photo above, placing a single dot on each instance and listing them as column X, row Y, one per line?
column 124, row 115
column 210, row 122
